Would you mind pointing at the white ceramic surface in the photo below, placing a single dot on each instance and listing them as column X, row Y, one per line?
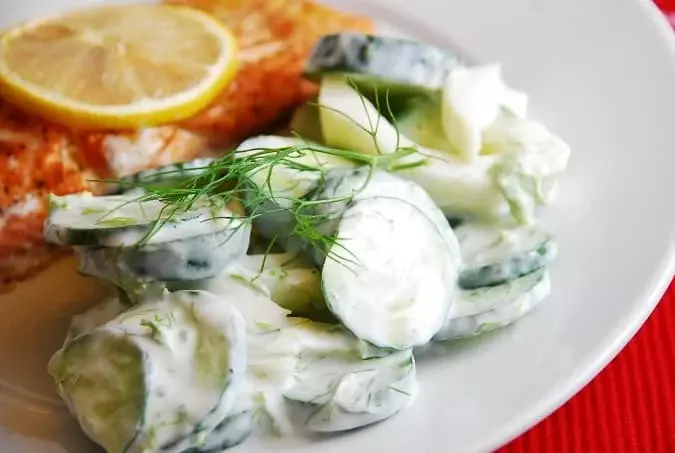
column 601, row 73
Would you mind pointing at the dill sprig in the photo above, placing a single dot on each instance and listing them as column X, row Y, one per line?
column 234, row 182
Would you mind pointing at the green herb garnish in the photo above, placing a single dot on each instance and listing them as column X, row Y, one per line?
column 229, row 181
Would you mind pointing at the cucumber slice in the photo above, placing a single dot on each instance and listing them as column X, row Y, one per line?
column 342, row 392
column 493, row 256
column 294, row 176
column 421, row 121
column 350, row 121
column 195, row 256
column 390, row 276
column 279, row 347
column 501, row 185
column 165, row 370
column 484, row 309
column 171, row 175
column 230, row 432
column 289, row 280
column 306, row 123
column 83, row 219
column 459, row 189
column 282, row 184
column 341, row 188
column 400, row 66
column 127, row 220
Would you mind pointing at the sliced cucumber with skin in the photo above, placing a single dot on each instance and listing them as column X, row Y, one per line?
column 282, row 185
column 497, row 186
column 165, row 176
column 286, row 182
column 84, row 219
column 289, row 280
column 279, row 346
column 390, row 277
column 484, row 309
column 457, row 188
column 168, row 369
column 191, row 257
column 341, row 188
column 230, row 432
column 399, row 66
column 492, row 255
column 421, row 120
column 127, row 220
column 343, row 393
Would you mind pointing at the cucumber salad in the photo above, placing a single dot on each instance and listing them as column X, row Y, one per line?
column 285, row 288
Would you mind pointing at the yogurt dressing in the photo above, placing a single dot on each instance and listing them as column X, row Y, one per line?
column 267, row 350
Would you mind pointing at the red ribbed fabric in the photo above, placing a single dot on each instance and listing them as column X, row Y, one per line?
column 628, row 408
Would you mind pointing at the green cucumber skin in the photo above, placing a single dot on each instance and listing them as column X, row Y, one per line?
column 194, row 258
column 500, row 316
column 344, row 185
column 392, row 389
column 93, row 220
column 205, row 434
column 166, row 175
column 494, row 255
column 89, row 237
column 513, row 268
column 347, row 188
column 398, row 65
column 232, row 431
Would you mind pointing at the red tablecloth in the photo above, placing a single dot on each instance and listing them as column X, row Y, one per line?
column 630, row 406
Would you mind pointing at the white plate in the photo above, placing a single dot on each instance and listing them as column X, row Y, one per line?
column 601, row 73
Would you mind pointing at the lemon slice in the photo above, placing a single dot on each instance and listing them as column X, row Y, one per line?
column 117, row 67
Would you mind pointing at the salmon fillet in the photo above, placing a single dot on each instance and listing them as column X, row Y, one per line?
column 275, row 37
column 38, row 158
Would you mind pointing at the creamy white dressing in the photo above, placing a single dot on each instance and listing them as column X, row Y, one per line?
column 277, row 349
column 125, row 220
column 276, row 346
column 391, row 296
column 194, row 223
column 472, row 99
column 289, row 183
column 483, row 244
column 459, row 189
column 297, row 289
column 174, row 363
column 516, row 102
column 487, row 309
column 503, row 165
column 193, row 257
column 203, row 368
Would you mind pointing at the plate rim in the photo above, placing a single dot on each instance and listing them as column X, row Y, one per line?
column 628, row 326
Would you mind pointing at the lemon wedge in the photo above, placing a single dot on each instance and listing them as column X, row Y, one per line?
column 117, row 67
